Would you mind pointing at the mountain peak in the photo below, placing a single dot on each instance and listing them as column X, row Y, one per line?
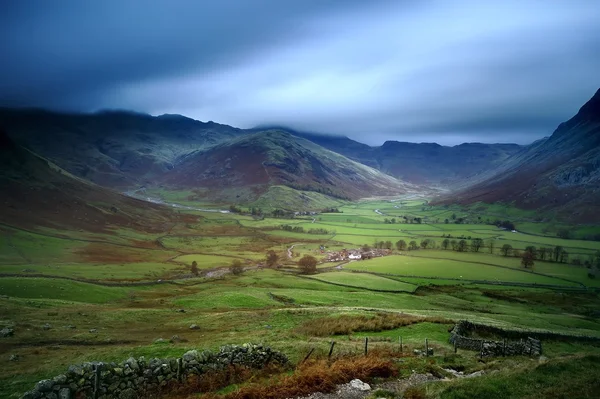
column 590, row 110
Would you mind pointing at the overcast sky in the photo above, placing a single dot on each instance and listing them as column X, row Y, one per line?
column 420, row 71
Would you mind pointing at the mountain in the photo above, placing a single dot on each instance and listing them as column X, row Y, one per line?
column 112, row 148
column 35, row 192
column 248, row 165
column 418, row 163
column 561, row 173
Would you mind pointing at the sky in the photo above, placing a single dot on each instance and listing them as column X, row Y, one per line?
column 418, row 71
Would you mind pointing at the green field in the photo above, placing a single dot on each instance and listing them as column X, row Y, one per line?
column 269, row 305
column 365, row 281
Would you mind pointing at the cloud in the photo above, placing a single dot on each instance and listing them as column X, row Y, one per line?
column 411, row 71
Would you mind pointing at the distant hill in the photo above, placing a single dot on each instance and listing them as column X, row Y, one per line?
column 419, row 163
column 35, row 192
column 246, row 166
column 561, row 173
column 112, row 148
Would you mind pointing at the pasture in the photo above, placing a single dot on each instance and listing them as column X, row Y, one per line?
column 269, row 305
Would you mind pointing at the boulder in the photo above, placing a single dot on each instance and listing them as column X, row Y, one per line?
column 359, row 385
column 7, row 332
column 44, row 386
column 64, row 393
column 194, row 327
column 46, row 326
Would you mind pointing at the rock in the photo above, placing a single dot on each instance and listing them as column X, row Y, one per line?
column 64, row 393
column 430, row 352
column 44, row 386
column 160, row 341
column 359, row 385
column 7, row 332
column 194, row 327
column 75, row 370
column 190, row 356
column 181, row 311
column 175, row 339
column 70, row 327
column 475, row 374
column 417, row 352
column 46, row 326
column 133, row 364
column 60, row 379
column 51, row 395
column 93, row 331
column 32, row 395
column 14, row 358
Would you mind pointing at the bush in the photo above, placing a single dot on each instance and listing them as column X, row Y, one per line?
column 236, row 267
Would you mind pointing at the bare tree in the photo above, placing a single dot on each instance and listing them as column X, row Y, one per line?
column 308, row 264
column 236, row 267
column 272, row 258
column 506, row 249
column 195, row 270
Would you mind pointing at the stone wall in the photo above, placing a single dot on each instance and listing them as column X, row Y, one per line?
column 489, row 348
column 141, row 378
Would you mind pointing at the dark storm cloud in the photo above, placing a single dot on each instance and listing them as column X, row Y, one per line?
column 413, row 71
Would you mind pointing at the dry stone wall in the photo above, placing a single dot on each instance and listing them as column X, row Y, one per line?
column 489, row 348
column 141, row 378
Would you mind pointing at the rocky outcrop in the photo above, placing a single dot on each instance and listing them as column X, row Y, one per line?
column 141, row 378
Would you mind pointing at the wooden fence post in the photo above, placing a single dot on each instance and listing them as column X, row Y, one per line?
column 400, row 339
column 455, row 348
column 504, row 347
column 308, row 355
column 366, row 345
column 331, row 349
column 426, row 348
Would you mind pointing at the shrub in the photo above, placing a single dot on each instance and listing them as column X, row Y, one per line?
column 236, row 267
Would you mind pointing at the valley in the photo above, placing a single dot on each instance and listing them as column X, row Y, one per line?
column 170, row 235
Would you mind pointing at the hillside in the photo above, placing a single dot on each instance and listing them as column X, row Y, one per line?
column 34, row 193
column 245, row 167
column 419, row 163
column 560, row 174
column 112, row 148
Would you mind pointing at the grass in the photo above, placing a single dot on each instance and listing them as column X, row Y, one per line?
column 443, row 268
column 277, row 307
column 569, row 378
column 365, row 281
column 64, row 290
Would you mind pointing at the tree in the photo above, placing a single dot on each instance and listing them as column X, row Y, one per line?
column 195, row 270
column 476, row 244
column 532, row 250
column 401, row 245
column 564, row 256
column 366, row 248
column 527, row 260
column 445, row 243
column 446, row 221
column 557, row 252
column 506, row 249
column 236, row 267
column 308, row 264
column 491, row 245
column 412, row 245
column 541, row 252
column 454, row 244
column 388, row 245
column 272, row 258
column 462, row 246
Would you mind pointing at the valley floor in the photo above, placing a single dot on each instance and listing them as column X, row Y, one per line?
column 72, row 297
